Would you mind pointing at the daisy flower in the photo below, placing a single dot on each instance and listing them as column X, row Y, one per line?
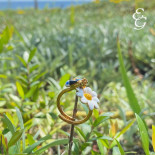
column 88, row 97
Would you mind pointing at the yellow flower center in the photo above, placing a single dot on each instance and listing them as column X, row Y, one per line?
column 88, row 96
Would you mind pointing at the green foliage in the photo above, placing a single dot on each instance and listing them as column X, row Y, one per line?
column 4, row 39
column 20, row 90
column 131, row 96
column 143, row 134
column 32, row 147
column 52, row 46
column 57, row 142
column 120, row 148
column 9, row 124
column 15, row 137
column 32, row 54
column 63, row 79
column 125, row 128
column 13, row 143
column 21, row 126
column 102, row 118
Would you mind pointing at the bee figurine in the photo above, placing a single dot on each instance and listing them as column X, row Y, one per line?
column 79, row 82
column 71, row 82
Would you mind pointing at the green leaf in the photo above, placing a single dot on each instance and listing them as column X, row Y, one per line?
column 102, row 137
column 130, row 93
column 15, row 137
column 96, row 113
column 9, row 124
column 31, row 92
column 63, row 79
column 105, row 138
column 32, row 147
column 57, row 142
column 45, row 138
column 38, row 76
column 30, row 139
column 9, row 48
column 3, row 142
column 95, row 153
column 81, row 132
column 3, row 76
column 21, row 125
column 32, row 53
column 20, row 90
column 100, row 146
column 102, row 118
column 5, row 36
column 120, row 148
column 125, row 128
column 33, row 144
column 22, row 60
column 143, row 134
column 84, row 145
column 105, row 143
column 32, row 68
column 115, row 150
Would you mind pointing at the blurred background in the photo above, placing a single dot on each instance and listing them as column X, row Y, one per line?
column 23, row 4
column 48, row 42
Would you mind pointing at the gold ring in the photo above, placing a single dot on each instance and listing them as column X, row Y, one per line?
column 74, row 84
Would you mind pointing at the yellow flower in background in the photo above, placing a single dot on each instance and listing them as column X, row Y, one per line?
column 20, row 12
column 97, row 1
column 117, row 1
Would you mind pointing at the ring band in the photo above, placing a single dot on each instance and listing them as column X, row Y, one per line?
column 63, row 115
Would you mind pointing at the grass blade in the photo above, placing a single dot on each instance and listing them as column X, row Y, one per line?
column 130, row 93
column 143, row 134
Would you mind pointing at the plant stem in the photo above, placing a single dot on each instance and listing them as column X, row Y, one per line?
column 72, row 126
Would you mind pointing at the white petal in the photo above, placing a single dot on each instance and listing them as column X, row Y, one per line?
column 84, row 100
column 87, row 90
column 91, row 105
column 78, row 89
column 96, row 99
column 93, row 93
column 79, row 94
column 96, row 105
